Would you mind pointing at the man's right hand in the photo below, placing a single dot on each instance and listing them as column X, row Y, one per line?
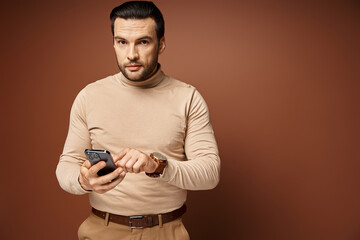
column 90, row 181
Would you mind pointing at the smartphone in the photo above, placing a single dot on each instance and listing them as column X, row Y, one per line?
column 96, row 156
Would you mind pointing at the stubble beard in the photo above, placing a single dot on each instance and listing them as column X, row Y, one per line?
column 146, row 73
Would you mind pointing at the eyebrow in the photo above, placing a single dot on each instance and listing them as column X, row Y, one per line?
column 140, row 38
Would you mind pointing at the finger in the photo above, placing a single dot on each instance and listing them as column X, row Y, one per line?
column 86, row 164
column 121, row 154
column 96, row 167
column 103, row 180
column 139, row 165
column 122, row 162
column 118, row 180
column 129, row 164
column 111, row 185
column 84, row 169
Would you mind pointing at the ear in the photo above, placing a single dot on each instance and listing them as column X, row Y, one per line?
column 162, row 45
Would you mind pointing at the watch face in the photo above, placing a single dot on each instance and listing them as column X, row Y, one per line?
column 162, row 161
column 159, row 156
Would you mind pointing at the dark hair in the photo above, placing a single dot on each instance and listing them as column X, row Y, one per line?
column 139, row 10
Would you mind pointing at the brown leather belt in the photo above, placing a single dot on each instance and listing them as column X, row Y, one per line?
column 142, row 221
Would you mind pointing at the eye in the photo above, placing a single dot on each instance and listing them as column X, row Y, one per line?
column 120, row 42
column 144, row 42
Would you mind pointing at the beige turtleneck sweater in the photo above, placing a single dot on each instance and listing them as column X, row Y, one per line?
column 160, row 114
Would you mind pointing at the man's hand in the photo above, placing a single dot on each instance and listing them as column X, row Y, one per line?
column 134, row 161
column 90, row 181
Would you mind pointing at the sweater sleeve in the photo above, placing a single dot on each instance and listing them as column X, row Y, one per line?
column 78, row 139
column 202, row 170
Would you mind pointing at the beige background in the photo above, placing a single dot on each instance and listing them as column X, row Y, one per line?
column 281, row 79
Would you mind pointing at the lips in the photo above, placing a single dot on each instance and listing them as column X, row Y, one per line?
column 133, row 67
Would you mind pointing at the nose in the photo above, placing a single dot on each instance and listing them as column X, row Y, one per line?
column 133, row 54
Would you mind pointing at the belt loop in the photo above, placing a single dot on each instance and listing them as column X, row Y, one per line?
column 107, row 219
column 160, row 221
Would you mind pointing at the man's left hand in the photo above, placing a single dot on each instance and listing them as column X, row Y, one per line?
column 134, row 161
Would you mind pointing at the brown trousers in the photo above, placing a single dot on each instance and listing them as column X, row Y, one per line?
column 95, row 228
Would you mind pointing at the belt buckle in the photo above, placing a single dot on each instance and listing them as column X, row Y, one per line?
column 134, row 217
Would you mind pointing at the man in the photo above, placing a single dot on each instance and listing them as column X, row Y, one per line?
column 157, row 129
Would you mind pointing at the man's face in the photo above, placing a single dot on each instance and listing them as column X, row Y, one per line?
column 137, row 47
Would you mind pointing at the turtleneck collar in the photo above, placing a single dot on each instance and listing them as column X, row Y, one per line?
column 147, row 83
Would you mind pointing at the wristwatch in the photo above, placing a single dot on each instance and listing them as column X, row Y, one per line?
column 162, row 161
